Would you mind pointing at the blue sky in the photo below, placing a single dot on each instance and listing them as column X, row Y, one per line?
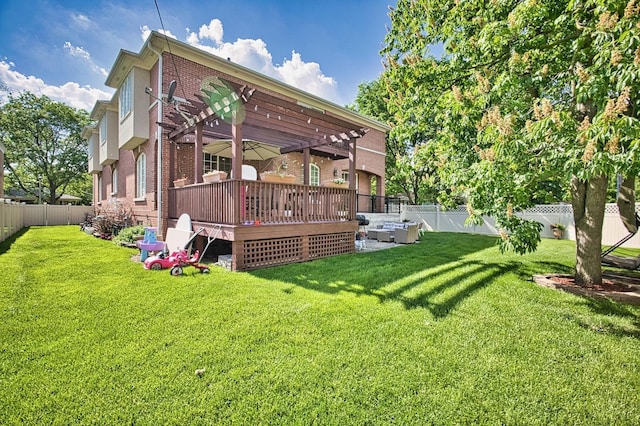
column 64, row 49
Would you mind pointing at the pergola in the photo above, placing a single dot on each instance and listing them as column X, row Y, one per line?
column 245, row 112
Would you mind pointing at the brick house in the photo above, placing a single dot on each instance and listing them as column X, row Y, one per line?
column 172, row 101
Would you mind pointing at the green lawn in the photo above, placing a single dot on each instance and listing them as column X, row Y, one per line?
column 444, row 331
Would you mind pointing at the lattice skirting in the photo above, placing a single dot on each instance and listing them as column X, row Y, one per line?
column 281, row 251
column 330, row 244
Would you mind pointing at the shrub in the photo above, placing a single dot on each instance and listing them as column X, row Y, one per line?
column 128, row 235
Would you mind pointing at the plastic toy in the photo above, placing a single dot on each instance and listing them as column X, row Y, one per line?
column 177, row 261
column 180, row 259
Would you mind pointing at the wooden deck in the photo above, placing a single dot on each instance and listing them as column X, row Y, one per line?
column 270, row 223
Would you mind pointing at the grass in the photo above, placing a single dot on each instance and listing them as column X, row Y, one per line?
column 445, row 331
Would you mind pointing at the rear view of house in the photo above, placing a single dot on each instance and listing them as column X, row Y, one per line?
column 293, row 163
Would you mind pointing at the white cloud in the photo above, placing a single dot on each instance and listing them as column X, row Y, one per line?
column 79, row 52
column 70, row 93
column 213, row 31
column 254, row 54
column 299, row 73
column 81, row 21
column 145, row 31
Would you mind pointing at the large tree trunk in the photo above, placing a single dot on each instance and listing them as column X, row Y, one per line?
column 588, row 200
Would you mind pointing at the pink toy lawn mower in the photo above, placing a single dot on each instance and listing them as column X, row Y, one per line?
column 178, row 260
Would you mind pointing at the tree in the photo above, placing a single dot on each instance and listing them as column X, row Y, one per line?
column 45, row 151
column 408, row 167
column 523, row 92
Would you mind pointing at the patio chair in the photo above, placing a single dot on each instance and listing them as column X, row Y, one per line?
column 421, row 229
column 407, row 235
column 385, row 235
column 249, row 172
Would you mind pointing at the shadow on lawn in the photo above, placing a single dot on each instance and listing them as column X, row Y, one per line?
column 441, row 292
column 6, row 244
column 432, row 275
column 437, row 274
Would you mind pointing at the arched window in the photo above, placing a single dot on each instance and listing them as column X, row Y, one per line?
column 314, row 175
column 114, row 181
column 100, row 187
column 141, row 176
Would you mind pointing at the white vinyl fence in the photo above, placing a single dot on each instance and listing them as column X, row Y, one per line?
column 11, row 218
column 437, row 219
column 14, row 216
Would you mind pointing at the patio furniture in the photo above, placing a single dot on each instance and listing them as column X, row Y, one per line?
column 249, row 172
column 407, row 235
column 399, row 232
column 421, row 229
column 385, row 235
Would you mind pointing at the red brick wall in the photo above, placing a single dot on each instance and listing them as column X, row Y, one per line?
column 369, row 161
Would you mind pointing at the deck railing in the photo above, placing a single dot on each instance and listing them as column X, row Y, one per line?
column 236, row 202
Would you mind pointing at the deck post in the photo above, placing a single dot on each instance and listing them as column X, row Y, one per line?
column 237, row 255
column 352, row 163
column 236, row 146
column 199, row 153
column 306, row 157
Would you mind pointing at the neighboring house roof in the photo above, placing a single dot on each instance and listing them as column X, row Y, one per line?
column 69, row 198
column 19, row 195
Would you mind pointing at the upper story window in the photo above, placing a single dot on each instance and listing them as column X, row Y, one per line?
column 103, row 130
column 126, row 95
column 141, row 176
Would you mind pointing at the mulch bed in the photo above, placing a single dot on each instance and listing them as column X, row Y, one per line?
column 620, row 288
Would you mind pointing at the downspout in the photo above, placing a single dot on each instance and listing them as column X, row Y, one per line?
column 159, row 138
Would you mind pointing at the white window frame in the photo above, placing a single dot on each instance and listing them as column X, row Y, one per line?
column 103, row 130
column 126, row 96
column 345, row 176
column 141, row 176
column 212, row 162
column 114, row 181
column 314, row 175
column 100, row 187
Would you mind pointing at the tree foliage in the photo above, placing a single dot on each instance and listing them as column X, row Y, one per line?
column 409, row 170
column 524, row 92
column 44, row 146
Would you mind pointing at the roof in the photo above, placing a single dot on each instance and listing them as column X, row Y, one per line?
column 146, row 58
column 276, row 113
